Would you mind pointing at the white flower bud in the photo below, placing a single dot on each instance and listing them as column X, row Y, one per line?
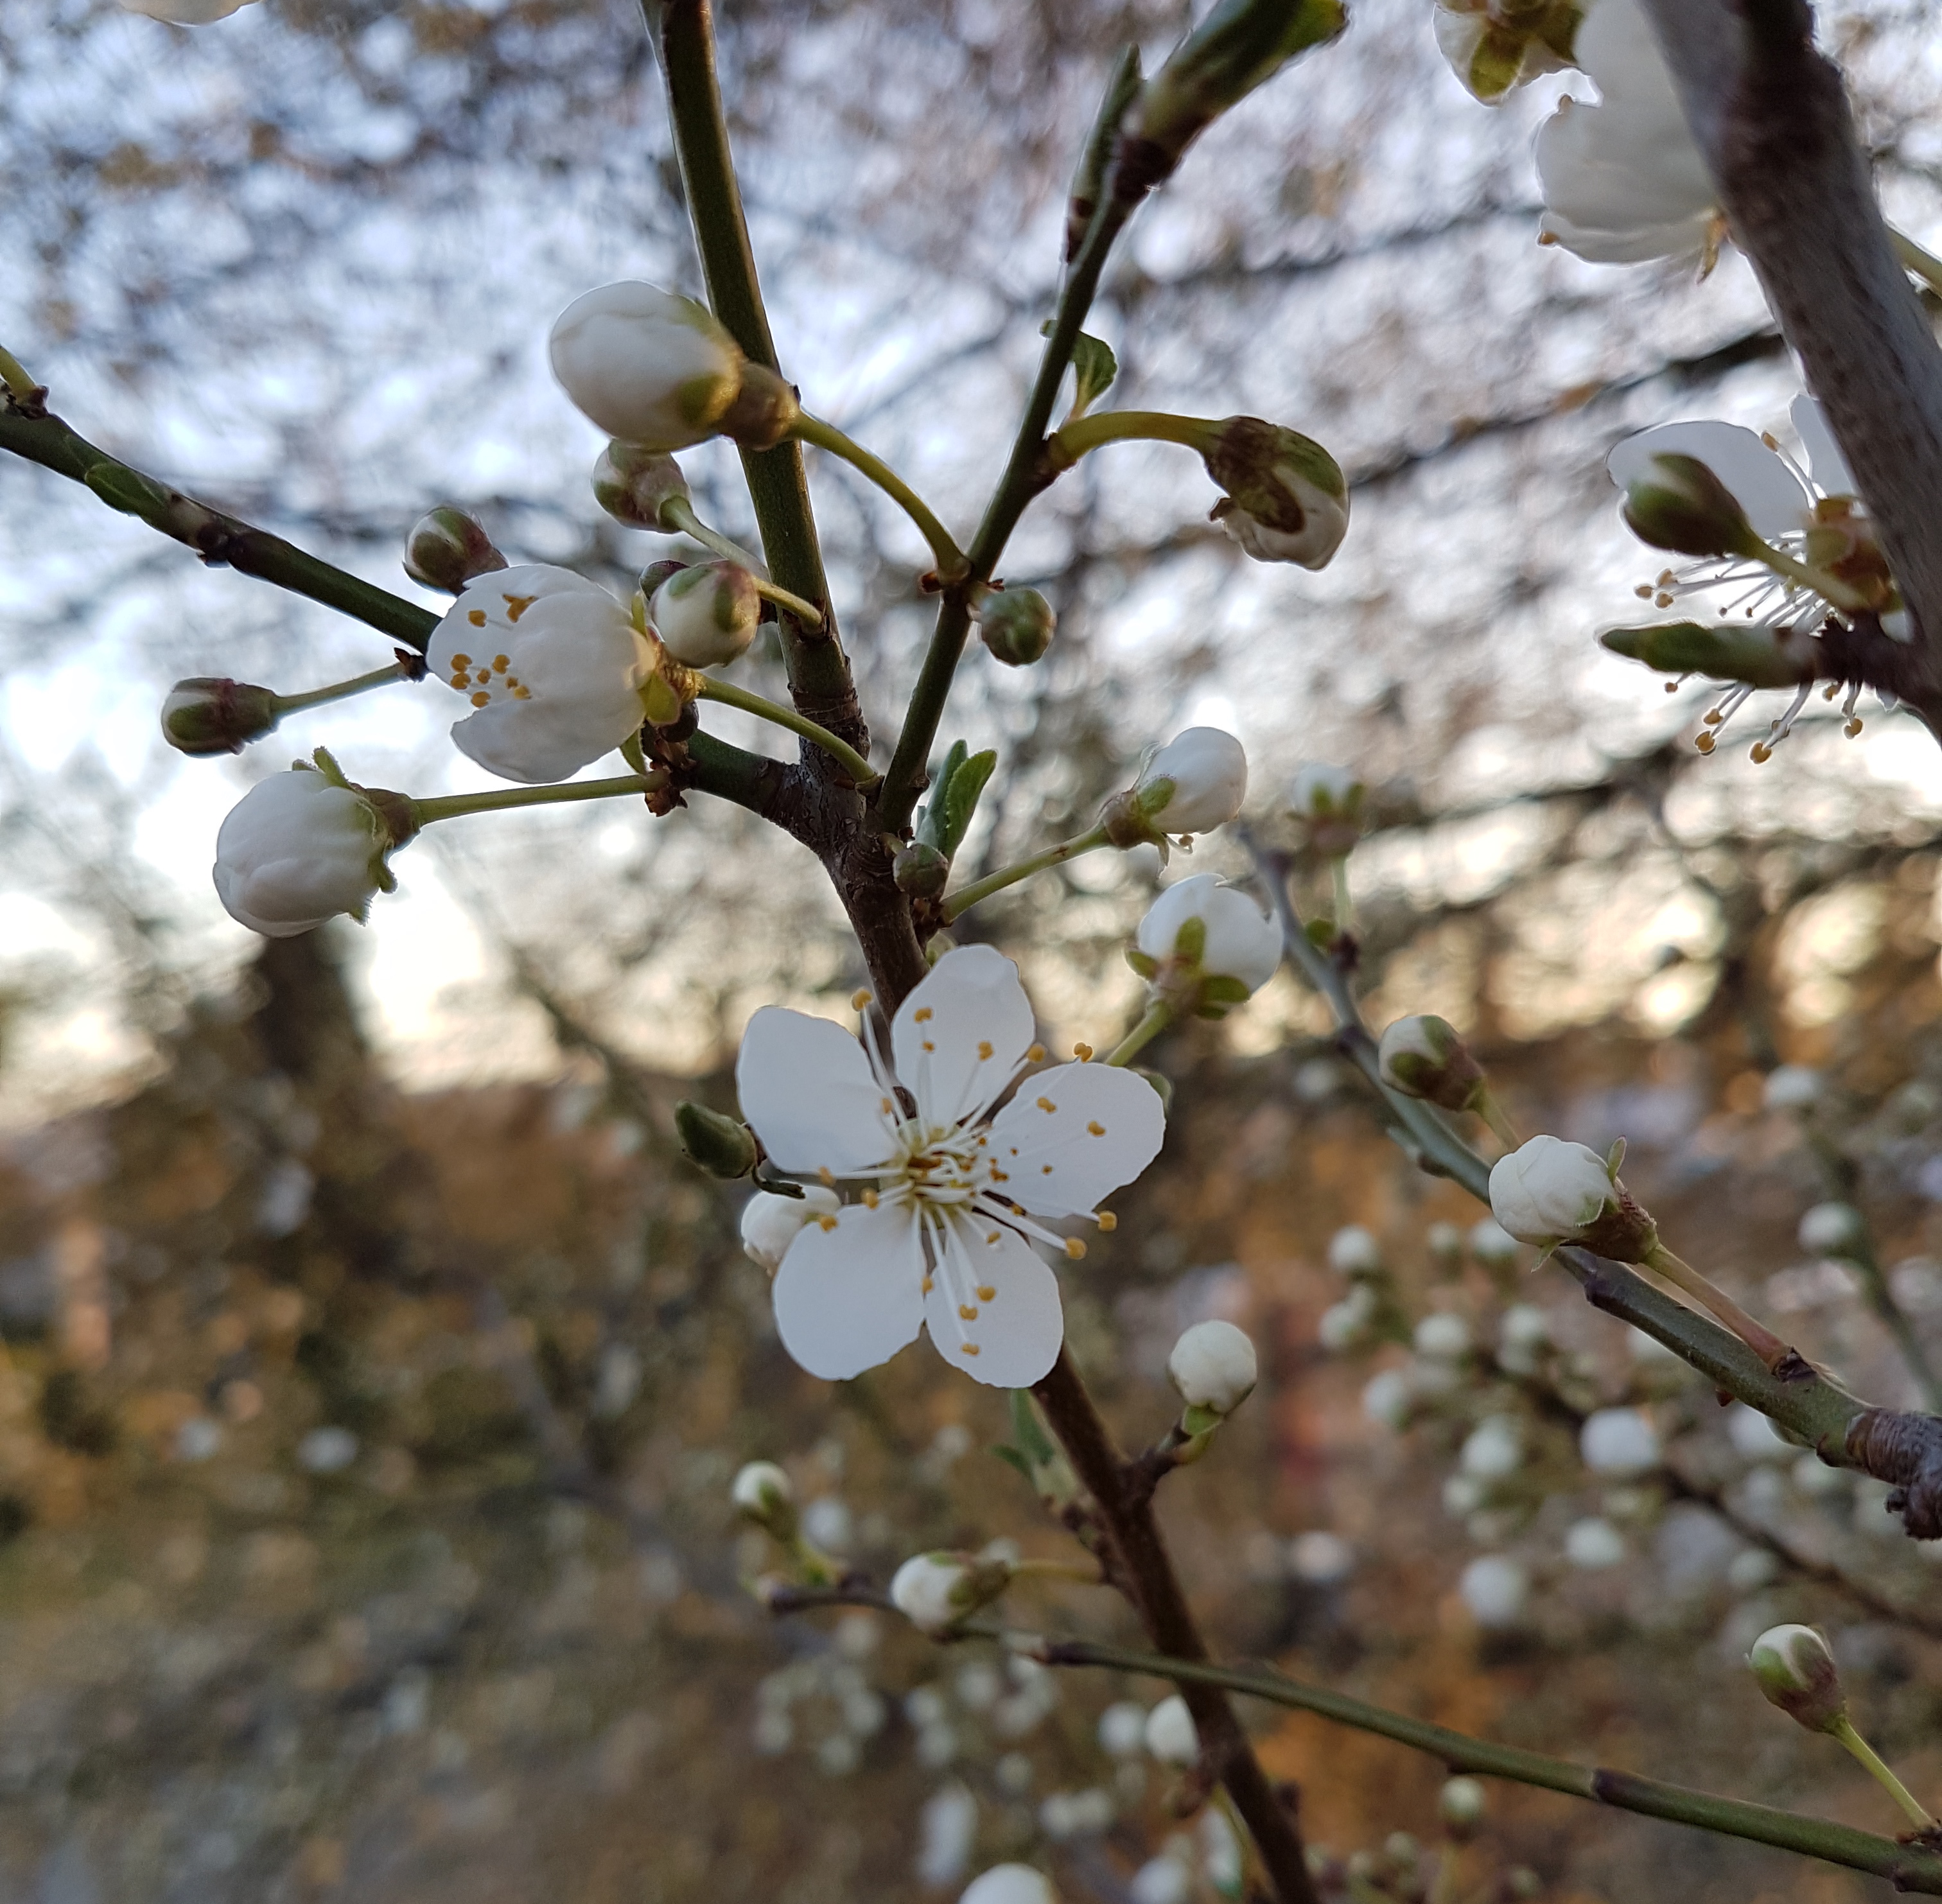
column 1524, row 1326
column 1463, row 1495
column 211, row 715
column 1162, row 1880
column 1347, row 1324
column 936, row 1591
column 769, row 1222
column 1214, row 1366
column 1322, row 790
column 1594, row 1543
column 1496, row 1589
column 1122, row 1729
column 299, row 848
column 1493, row 1246
column 1549, row 1191
column 1621, row 1442
column 1460, row 1805
column 1388, row 1400
column 1796, row 1672
column 1199, row 931
column 1353, row 1251
column 1423, row 1057
column 1286, row 499
column 1443, row 1338
column 707, row 614
column 1493, row 1449
column 762, row 1494
column 1009, row 1884
column 1753, row 1570
column 1206, row 770
column 1833, row 1229
column 553, row 666
column 1794, row 1088
column 184, row 13
column 648, row 367
column 1171, row 1735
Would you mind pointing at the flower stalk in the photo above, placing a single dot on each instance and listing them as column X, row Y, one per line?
column 708, row 688
column 962, row 901
column 18, row 383
column 678, row 512
column 951, row 566
column 451, row 807
column 1682, row 1275
column 1159, row 1015
column 1843, row 1729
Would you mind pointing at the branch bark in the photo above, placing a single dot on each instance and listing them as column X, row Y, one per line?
column 1771, row 118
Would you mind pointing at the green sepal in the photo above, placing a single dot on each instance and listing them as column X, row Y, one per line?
column 1221, row 990
column 1320, row 932
column 1761, row 656
column 1094, row 367
column 1140, row 962
column 1614, row 1157
column 1011, row 1458
column 631, row 752
column 1190, row 943
column 660, row 702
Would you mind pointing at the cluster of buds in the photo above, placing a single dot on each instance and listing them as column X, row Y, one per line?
column 763, row 1495
column 1204, row 947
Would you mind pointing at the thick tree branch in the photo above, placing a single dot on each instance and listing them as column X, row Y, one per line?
column 1771, row 117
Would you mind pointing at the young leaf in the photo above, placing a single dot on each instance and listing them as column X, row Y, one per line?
column 931, row 822
column 960, row 798
column 1094, row 366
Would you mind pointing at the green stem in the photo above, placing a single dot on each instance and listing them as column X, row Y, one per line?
column 1069, row 443
column 860, row 771
column 951, row 566
column 1492, row 1112
column 1678, row 1271
column 1908, row 1867
column 1843, row 1729
column 1345, row 907
column 1828, row 587
column 341, row 690
column 1024, row 474
column 966, row 897
column 451, row 807
column 220, row 540
column 16, row 379
column 1158, row 1018
column 1925, row 265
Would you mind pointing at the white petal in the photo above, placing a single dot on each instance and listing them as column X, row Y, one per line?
column 1824, row 455
column 850, row 1296
column 1073, row 1134
column 1016, row 1328
column 1761, row 482
column 808, row 1092
column 960, row 1036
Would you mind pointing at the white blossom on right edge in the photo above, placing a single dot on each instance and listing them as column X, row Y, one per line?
column 1623, row 180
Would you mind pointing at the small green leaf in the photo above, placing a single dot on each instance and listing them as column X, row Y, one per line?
column 1094, row 367
column 930, row 824
column 1037, row 1446
column 960, row 797
column 1011, row 1458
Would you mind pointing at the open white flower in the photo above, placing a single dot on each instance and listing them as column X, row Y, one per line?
column 1806, row 510
column 553, row 664
column 297, row 849
column 1623, row 180
column 939, row 1236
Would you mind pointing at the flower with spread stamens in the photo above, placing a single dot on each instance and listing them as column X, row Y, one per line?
column 553, row 665
column 954, row 1189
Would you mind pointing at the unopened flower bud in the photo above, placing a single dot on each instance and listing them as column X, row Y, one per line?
column 1794, row 1088
column 1353, row 1252
column 707, row 615
column 721, row 1145
column 1009, row 1884
column 1460, row 1805
column 447, row 548
column 1677, row 502
column 1286, row 500
column 1620, row 1442
column 1549, row 1191
column 763, row 1495
column 1797, row 1673
column 1172, row 1736
column 1835, row 1230
column 920, row 871
column 1205, row 947
column 1762, row 654
column 770, row 1222
column 1214, row 1366
column 1493, row 1247
column 647, row 367
column 1496, row 1589
column 207, row 715
column 937, row 1592
column 1016, row 625
column 633, row 484
column 1442, row 1337
column 1194, row 784
column 1423, row 1057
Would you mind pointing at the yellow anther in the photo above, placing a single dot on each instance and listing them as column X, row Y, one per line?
column 1107, row 1221
column 1081, row 1052
column 516, row 605
column 484, row 677
column 970, row 1349
column 1853, row 727
column 1036, row 1055
column 1074, row 1248
column 1045, row 1169
column 986, row 1293
column 869, row 1199
column 825, row 1177
column 922, row 1014
column 1643, row 591
column 929, row 1046
column 482, row 700
column 1712, row 717
column 1663, row 600
column 1770, row 439
column 522, row 694
column 1097, row 1129
column 461, row 662
column 1704, row 742
column 500, row 662
column 927, row 1285
column 858, row 1000
column 1760, row 753
column 992, row 1238
column 477, row 617
column 888, row 1107
column 967, row 1312
column 1046, row 1104
column 984, row 1050
column 999, row 1176
column 826, row 1222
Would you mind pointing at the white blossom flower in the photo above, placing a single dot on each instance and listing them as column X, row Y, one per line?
column 297, row 849
column 647, row 367
column 947, row 1832
column 1493, row 1245
column 1353, row 1251
column 1009, row 1884
column 184, row 13
column 1496, row 1589
column 1237, row 941
column 1172, row 1736
column 1206, row 769
column 1833, row 1229
column 1443, row 1338
column 1623, row 180
column 1214, row 1366
column 1548, row 1191
column 1122, row 1729
column 1163, row 1880
column 1621, row 1442
column 1594, row 1543
column 553, row 664
column 955, row 1186
column 934, row 1591
column 1493, row 1449
column 769, row 1222
column 1388, row 1400
column 707, row 612
column 1347, row 1324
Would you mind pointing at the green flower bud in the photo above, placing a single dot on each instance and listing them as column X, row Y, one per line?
column 1016, row 625
column 1757, row 653
column 633, row 484
column 920, row 871
column 707, row 615
column 1797, row 1673
column 447, row 548
column 1684, row 506
column 1423, row 1056
column 203, row 715
column 1287, row 500
column 721, row 1145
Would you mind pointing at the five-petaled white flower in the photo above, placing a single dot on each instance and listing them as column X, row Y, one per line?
column 1808, row 512
column 954, row 1187
column 1623, row 180
column 553, row 665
